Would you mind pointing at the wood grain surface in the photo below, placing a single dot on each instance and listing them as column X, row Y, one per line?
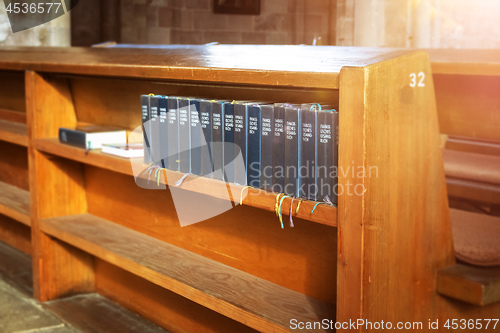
column 476, row 285
column 15, row 203
column 296, row 66
column 13, row 132
column 323, row 214
column 56, row 188
column 233, row 293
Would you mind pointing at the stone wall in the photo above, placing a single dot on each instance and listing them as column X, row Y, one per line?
column 193, row 22
column 53, row 33
column 469, row 24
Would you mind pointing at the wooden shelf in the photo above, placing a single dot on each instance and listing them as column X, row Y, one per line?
column 248, row 299
column 13, row 132
column 15, row 116
column 15, row 203
column 323, row 214
column 475, row 285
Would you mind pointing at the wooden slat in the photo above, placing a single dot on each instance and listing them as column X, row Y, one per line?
column 475, row 285
column 13, row 132
column 159, row 305
column 94, row 157
column 467, row 145
column 15, row 203
column 323, row 214
column 15, row 116
column 14, row 165
column 470, row 190
column 241, row 296
column 17, row 235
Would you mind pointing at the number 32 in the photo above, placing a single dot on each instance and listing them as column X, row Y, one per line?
column 421, row 79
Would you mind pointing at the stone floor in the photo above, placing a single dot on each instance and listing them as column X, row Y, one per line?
column 21, row 313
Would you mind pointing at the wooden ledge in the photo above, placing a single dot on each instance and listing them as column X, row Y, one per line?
column 13, row 132
column 323, row 214
column 475, row 285
column 15, row 203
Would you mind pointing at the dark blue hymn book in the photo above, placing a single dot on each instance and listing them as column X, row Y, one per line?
column 266, row 152
column 163, row 126
column 145, row 119
column 228, row 108
column 292, row 151
column 217, row 144
column 279, row 149
column 254, row 145
column 184, row 135
column 173, row 134
column 196, row 133
column 307, row 170
column 240, row 140
column 206, row 140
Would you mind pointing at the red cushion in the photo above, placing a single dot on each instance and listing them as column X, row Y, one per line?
column 476, row 238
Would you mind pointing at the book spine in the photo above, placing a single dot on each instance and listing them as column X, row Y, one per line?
column 266, row 156
column 228, row 151
column 196, row 133
column 240, row 141
column 184, row 136
column 73, row 138
column 163, row 109
column 217, row 142
column 307, row 169
column 279, row 150
column 206, row 139
column 326, row 159
column 254, row 145
column 335, row 176
column 155, row 130
column 292, row 151
column 145, row 127
column 173, row 134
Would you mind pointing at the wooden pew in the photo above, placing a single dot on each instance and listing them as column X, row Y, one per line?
column 467, row 84
column 376, row 257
